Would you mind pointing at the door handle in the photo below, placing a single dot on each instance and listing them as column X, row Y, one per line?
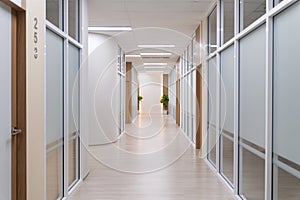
column 15, row 131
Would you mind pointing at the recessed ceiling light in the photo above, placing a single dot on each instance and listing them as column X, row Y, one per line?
column 156, row 45
column 155, row 64
column 155, row 71
column 155, row 54
column 154, row 67
column 110, row 28
column 132, row 56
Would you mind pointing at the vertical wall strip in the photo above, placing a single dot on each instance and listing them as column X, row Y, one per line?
column 218, row 91
column 66, row 99
column 269, row 102
column 236, row 100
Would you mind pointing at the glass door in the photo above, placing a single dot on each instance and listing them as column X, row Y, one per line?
column 5, row 102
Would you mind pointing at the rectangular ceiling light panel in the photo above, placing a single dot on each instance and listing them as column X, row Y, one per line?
column 156, row 45
column 110, row 28
column 155, row 54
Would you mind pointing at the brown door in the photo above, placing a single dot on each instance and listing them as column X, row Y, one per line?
column 199, row 107
column 18, row 109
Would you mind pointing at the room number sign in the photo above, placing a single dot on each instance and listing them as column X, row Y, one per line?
column 35, row 38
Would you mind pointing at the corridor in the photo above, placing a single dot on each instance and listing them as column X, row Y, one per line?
column 152, row 160
column 157, row 100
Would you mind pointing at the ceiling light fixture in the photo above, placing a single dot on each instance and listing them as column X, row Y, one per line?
column 155, row 64
column 155, row 54
column 132, row 56
column 156, row 71
column 154, row 67
column 156, row 45
column 110, row 28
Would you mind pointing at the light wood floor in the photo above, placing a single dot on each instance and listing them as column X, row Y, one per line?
column 152, row 161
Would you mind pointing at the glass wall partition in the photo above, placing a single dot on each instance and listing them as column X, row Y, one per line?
column 227, row 113
column 212, row 103
column 54, row 115
column 55, row 13
column 286, row 109
column 228, row 20
column 250, row 11
column 185, row 92
column 212, row 31
column 188, row 92
column 252, row 114
column 181, row 93
column 254, row 97
column 188, row 97
column 62, row 86
column 73, row 114
column 122, row 90
column 73, row 17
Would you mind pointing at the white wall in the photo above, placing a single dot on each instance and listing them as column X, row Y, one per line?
column 103, row 94
column 151, row 91
column 172, row 92
column 84, row 132
column 35, row 102
column 134, row 93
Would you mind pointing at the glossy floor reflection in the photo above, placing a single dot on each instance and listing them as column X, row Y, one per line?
column 153, row 160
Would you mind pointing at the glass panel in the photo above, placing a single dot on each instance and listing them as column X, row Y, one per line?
column 193, row 103
column 184, row 105
column 54, row 115
column 188, row 58
column 227, row 112
column 119, row 68
column 124, row 63
column 250, row 11
column 276, row 2
column 73, row 19
column 212, row 31
column 286, row 158
column 212, row 92
column 228, row 6
column 190, row 106
column 54, row 12
column 252, row 114
column 73, row 117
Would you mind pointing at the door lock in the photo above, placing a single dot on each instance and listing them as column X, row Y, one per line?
column 15, row 131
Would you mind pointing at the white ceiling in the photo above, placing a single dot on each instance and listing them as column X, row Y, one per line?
column 153, row 22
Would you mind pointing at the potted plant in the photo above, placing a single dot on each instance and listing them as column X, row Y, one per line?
column 140, row 98
column 165, row 101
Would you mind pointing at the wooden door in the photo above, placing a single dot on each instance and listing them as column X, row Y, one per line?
column 199, row 109
column 18, row 105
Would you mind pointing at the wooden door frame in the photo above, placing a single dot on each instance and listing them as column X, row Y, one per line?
column 18, row 109
column 199, row 108
column 128, row 95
